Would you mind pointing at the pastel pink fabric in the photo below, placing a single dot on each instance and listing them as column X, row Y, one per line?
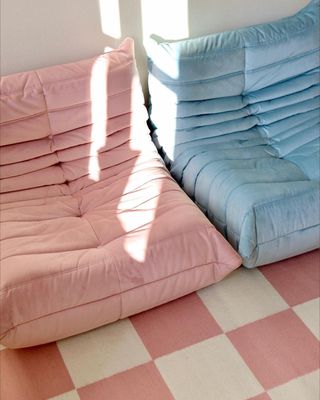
column 93, row 227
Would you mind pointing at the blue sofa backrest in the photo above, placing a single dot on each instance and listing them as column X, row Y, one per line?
column 256, row 83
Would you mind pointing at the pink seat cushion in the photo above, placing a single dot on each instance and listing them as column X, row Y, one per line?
column 93, row 227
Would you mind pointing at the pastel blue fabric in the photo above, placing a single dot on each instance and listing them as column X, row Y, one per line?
column 236, row 117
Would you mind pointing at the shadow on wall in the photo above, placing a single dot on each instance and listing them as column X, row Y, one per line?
column 50, row 33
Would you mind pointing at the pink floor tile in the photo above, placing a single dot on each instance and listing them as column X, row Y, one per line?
column 263, row 396
column 140, row 383
column 297, row 279
column 175, row 325
column 277, row 348
column 33, row 374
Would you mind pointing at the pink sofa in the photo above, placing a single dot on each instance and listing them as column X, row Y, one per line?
column 93, row 228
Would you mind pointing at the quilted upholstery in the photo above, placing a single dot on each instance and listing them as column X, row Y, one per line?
column 93, row 228
column 237, row 120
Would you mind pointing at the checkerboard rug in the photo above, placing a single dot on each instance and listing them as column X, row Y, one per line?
column 255, row 335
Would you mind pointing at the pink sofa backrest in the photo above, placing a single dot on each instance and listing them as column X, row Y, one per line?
column 64, row 127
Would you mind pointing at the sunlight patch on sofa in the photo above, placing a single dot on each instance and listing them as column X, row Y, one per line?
column 137, row 222
column 98, row 89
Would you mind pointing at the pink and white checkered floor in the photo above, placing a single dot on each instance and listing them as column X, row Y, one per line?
column 254, row 335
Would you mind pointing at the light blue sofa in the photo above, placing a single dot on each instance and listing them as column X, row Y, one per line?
column 236, row 117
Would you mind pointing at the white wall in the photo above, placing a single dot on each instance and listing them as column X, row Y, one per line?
column 38, row 33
